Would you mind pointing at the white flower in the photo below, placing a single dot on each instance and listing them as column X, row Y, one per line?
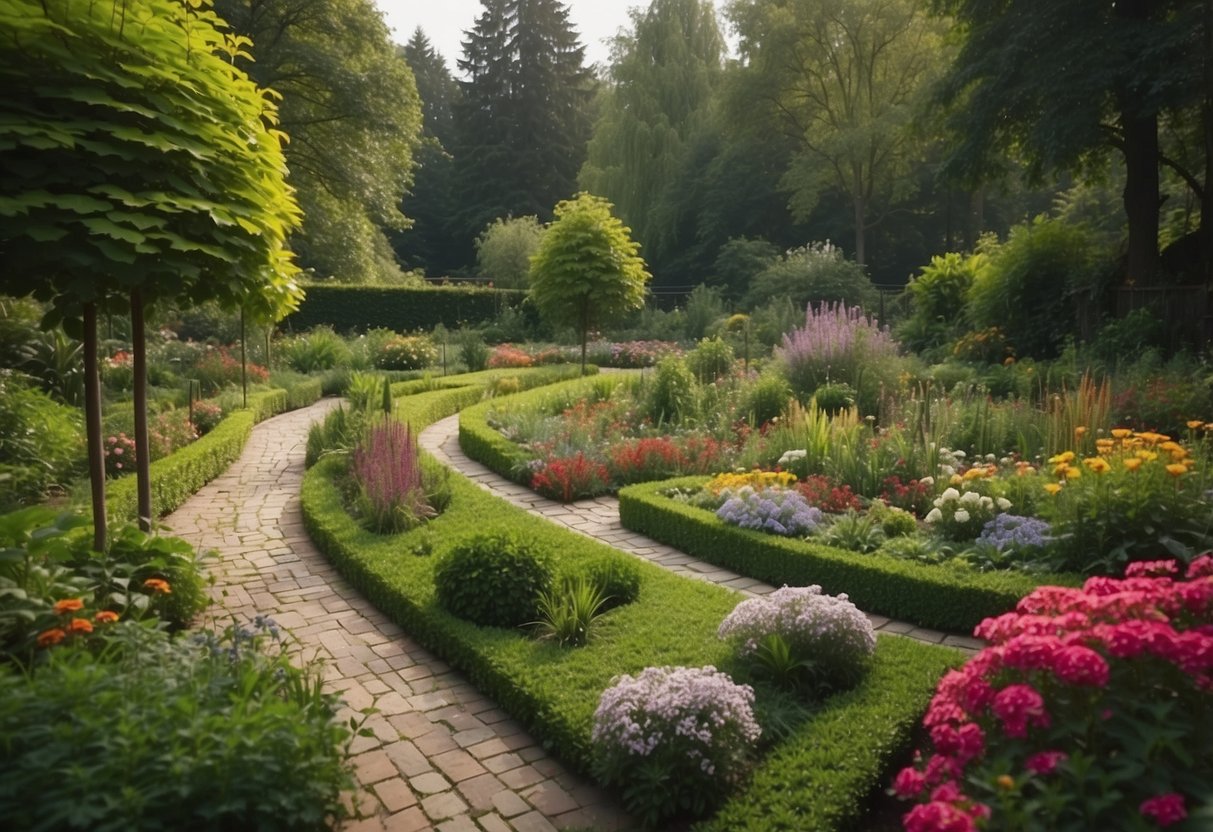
column 961, row 516
column 927, row 481
column 987, row 503
column 969, row 498
column 949, row 495
column 933, row 516
column 959, row 454
column 947, row 470
column 792, row 456
column 1003, row 504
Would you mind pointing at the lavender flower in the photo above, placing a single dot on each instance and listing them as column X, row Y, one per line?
column 826, row 630
column 773, row 510
column 834, row 343
column 694, row 723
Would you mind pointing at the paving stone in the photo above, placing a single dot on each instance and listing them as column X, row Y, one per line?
column 410, row 820
column 395, row 794
column 429, row 783
column 509, row 804
column 532, row 822
column 458, row 765
column 550, row 799
column 492, row 822
column 479, row 791
column 442, row 806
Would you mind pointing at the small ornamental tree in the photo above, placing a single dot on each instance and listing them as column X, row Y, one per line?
column 588, row 270
column 140, row 166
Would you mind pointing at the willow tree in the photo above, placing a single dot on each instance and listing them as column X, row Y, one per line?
column 140, row 166
column 588, row 270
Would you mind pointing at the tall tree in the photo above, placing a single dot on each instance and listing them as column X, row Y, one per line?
column 350, row 106
column 1066, row 83
column 659, row 105
column 842, row 79
column 140, row 166
column 432, row 243
column 523, row 122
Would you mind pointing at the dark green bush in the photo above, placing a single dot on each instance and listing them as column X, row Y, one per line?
column 835, row 397
column 201, row 733
column 711, row 359
column 493, row 579
column 767, row 398
column 618, row 578
column 359, row 308
column 41, row 442
column 813, row 274
column 939, row 294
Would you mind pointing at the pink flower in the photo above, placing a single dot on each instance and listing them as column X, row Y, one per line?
column 1026, row 652
column 1164, row 809
column 1077, row 665
column 1019, row 705
column 1045, row 762
column 1202, row 567
column 1152, row 569
column 938, row 817
column 909, row 782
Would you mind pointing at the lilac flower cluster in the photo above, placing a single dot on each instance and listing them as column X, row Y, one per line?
column 1015, row 532
column 694, row 722
column 773, row 510
column 826, row 630
column 834, row 343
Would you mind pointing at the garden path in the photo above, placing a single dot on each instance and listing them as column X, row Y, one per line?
column 599, row 518
column 442, row 756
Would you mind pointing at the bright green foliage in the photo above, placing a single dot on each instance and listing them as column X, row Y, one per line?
column 664, row 78
column 711, row 359
column 738, row 261
column 350, row 105
column 504, row 250
column 41, row 442
column 567, row 613
column 493, row 579
column 842, row 79
column 813, row 274
column 673, row 396
column 588, row 271
column 135, row 154
column 1025, row 290
column 940, row 295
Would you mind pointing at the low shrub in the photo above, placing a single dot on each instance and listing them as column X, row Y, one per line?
column 168, row 432
column 319, row 349
column 41, row 442
column 1090, row 709
column 671, row 396
column 507, row 355
column 119, row 452
column 618, row 578
column 217, row 368
column 206, row 414
column 492, row 579
column 215, row 731
column 674, row 739
column 711, row 359
column 406, row 352
column 767, row 398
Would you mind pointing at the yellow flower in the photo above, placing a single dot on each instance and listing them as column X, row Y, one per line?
column 1133, row 463
column 957, row 479
column 976, row 473
column 1052, row 487
column 1097, row 464
column 1104, row 445
column 1005, row 782
column 1073, row 473
column 1062, row 458
column 1152, row 437
column 1121, row 433
column 1148, row 456
column 1193, row 424
column 1079, row 432
column 1177, row 469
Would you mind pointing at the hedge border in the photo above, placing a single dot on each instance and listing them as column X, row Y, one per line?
column 923, row 595
column 852, row 741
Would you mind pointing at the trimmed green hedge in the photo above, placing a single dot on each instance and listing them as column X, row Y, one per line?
column 349, row 308
column 928, row 596
column 554, row 691
column 487, row 446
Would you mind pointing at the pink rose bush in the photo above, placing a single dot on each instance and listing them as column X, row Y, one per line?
column 674, row 739
column 1090, row 709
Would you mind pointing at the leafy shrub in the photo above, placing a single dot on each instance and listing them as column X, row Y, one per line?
column 504, row 249
column 390, row 489
column 984, row 346
column 738, row 261
column 671, row 397
column 567, row 612
column 406, row 352
column 220, row 730
column 338, row 432
column 473, row 352
column 617, row 577
column 1025, row 288
column 816, row 274
column 319, row 349
column 854, row 531
column 119, row 455
column 218, row 368
column 834, row 397
column 705, row 306
column 766, row 398
column 207, row 414
column 364, row 391
column 827, row 634
column 168, row 432
column 772, row 510
column 836, row 343
column 41, row 442
column 1073, row 716
column 571, row 478
column 939, row 294
column 1140, row 330
column 711, row 359
column 674, row 739
column 894, row 522
column 492, row 579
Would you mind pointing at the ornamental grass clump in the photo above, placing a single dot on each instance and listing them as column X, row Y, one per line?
column 674, row 739
column 836, row 344
column 390, row 491
column 1092, row 708
column 785, row 513
column 800, row 635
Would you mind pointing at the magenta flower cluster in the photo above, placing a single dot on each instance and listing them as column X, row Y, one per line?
column 826, row 629
column 1082, row 692
column 387, row 470
column 694, row 724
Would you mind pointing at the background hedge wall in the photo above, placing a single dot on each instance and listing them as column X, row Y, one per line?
column 359, row 308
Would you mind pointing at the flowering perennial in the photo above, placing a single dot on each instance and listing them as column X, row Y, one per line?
column 1082, row 693
column 785, row 513
column 387, row 470
column 692, row 727
column 1012, row 531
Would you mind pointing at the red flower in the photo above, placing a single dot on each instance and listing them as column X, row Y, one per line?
column 1164, row 809
column 52, row 636
column 67, row 605
column 80, row 625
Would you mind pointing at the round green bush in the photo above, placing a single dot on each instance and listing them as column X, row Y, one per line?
column 835, row 398
column 617, row 577
column 711, row 359
column 767, row 398
column 492, row 579
column 672, row 396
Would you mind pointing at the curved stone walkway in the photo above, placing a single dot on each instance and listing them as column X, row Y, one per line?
column 442, row 756
column 599, row 518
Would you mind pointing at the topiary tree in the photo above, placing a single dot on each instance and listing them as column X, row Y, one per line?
column 140, row 166
column 588, row 270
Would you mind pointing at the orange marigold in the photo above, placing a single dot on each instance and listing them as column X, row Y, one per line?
column 68, row 605
column 106, row 617
column 158, row 585
column 52, row 636
column 1133, row 463
column 80, row 625
column 1177, row 469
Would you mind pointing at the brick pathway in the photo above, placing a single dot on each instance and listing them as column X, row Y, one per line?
column 599, row 518
column 442, row 756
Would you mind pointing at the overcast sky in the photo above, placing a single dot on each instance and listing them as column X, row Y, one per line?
column 444, row 22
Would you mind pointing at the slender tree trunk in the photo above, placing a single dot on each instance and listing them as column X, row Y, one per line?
column 860, row 220
column 1141, row 195
column 92, row 422
column 243, row 363
column 143, row 457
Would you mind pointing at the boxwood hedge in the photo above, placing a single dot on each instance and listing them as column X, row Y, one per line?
column 832, row 760
column 928, row 596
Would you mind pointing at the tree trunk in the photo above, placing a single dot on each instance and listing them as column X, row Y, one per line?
column 860, row 220
column 1206, row 198
column 92, row 422
column 143, row 457
column 1141, row 195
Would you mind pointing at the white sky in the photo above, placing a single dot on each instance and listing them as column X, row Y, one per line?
column 444, row 22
